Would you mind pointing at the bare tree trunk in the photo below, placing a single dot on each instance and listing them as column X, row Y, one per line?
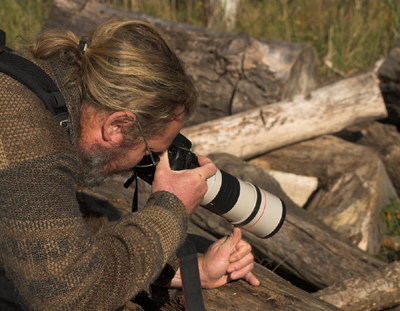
column 227, row 9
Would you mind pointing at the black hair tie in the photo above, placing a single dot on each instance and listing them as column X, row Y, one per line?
column 82, row 46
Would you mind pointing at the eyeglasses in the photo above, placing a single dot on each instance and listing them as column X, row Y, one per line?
column 150, row 159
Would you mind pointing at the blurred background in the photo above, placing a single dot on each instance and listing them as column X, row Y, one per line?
column 348, row 35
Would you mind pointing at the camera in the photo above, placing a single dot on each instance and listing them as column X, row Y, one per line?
column 241, row 203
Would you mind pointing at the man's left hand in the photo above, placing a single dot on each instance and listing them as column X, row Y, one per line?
column 228, row 259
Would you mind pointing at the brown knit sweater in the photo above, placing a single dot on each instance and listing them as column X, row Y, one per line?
column 47, row 251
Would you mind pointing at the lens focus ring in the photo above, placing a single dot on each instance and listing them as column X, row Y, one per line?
column 227, row 195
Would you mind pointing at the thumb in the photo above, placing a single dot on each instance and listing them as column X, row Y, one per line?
column 234, row 237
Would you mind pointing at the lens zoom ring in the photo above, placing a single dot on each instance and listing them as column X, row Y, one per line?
column 227, row 196
column 255, row 209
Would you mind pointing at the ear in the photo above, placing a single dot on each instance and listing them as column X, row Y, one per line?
column 113, row 126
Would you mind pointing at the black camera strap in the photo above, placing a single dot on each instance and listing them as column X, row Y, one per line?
column 191, row 284
column 129, row 182
column 188, row 262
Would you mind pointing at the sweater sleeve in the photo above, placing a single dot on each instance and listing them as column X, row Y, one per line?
column 56, row 263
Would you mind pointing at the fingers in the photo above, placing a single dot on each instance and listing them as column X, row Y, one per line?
column 241, row 260
column 228, row 259
column 242, row 249
column 242, row 270
column 242, row 264
column 252, row 279
column 189, row 186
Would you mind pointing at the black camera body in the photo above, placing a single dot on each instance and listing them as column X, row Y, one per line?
column 241, row 203
column 179, row 155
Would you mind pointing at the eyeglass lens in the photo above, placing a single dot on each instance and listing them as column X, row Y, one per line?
column 148, row 161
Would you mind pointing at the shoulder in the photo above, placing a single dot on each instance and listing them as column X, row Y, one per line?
column 27, row 129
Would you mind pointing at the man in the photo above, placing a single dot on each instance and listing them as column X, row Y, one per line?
column 128, row 96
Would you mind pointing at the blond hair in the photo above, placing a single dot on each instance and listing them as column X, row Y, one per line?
column 127, row 65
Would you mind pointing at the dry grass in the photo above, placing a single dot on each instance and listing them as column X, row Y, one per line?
column 351, row 34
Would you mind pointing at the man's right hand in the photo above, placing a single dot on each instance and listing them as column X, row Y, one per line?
column 189, row 186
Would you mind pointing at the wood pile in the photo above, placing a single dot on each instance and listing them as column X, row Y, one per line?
column 262, row 112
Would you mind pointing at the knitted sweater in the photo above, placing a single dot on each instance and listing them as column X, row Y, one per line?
column 47, row 251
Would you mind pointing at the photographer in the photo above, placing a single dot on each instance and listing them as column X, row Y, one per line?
column 127, row 95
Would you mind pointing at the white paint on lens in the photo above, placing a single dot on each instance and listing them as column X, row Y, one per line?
column 244, row 205
column 214, row 185
column 268, row 217
column 269, row 214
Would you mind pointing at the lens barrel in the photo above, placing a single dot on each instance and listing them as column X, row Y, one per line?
column 241, row 203
column 244, row 204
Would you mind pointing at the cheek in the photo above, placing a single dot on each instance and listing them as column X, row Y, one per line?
column 131, row 157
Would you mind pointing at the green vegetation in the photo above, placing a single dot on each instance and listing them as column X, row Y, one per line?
column 21, row 20
column 390, row 250
column 352, row 34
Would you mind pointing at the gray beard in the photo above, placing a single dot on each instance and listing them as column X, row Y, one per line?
column 91, row 166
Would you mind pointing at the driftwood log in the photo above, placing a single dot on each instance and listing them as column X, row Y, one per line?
column 231, row 72
column 299, row 188
column 353, row 185
column 260, row 80
column 325, row 110
column 376, row 291
column 390, row 84
column 384, row 139
column 305, row 247
column 274, row 292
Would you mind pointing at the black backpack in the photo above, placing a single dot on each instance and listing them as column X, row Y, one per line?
column 36, row 79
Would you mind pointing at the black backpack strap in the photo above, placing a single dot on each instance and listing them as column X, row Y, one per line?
column 36, row 79
column 2, row 38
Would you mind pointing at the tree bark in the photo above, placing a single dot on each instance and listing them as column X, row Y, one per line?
column 326, row 110
column 353, row 185
column 304, row 246
column 390, row 85
column 112, row 199
column 376, row 291
column 274, row 293
column 384, row 138
column 299, row 188
column 231, row 72
column 223, row 11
